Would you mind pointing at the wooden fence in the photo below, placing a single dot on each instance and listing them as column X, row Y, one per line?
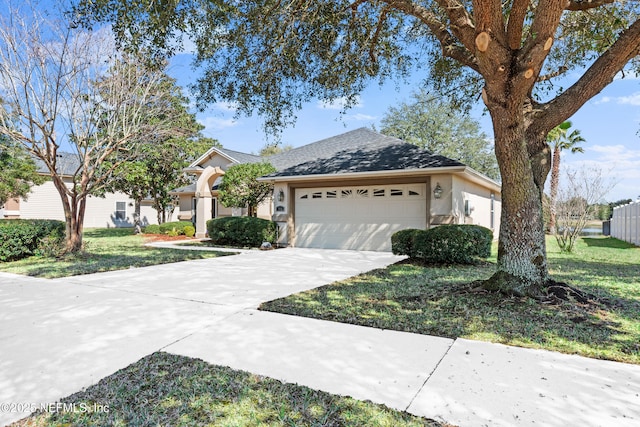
column 625, row 223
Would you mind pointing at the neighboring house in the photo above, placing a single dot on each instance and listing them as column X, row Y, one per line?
column 113, row 210
column 351, row 191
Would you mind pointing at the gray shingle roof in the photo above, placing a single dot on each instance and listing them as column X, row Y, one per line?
column 360, row 150
column 67, row 164
column 241, row 157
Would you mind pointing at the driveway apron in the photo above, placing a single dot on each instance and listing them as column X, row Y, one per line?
column 58, row 336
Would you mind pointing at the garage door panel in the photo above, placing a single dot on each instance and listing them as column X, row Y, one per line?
column 362, row 218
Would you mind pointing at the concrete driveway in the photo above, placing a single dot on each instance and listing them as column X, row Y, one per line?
column 58, row 336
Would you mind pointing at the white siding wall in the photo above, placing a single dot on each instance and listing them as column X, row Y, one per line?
column 44, row 203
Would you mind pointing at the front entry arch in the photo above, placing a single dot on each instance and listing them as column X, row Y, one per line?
column 204, row 198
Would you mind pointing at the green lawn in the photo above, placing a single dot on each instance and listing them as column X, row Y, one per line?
column 439, row 301
column 167, row 390
column 106, row 249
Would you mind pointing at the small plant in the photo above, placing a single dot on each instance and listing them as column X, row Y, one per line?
column 177, row 226
column 189, row 231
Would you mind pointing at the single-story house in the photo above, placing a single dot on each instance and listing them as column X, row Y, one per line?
column 350, row 191
column 111, row 211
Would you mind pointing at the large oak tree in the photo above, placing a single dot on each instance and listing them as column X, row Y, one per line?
column 272, row 56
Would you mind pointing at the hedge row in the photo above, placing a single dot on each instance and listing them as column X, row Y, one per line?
column 20, row 238
column 242, row 231
column 446, row 244
column 176, row 228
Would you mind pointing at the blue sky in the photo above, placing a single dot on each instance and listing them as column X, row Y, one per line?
column 609, row 123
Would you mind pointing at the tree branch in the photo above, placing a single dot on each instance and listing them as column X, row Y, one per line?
column 450, row 45
column 516, row 23
column 578, row 5
column 596, row 78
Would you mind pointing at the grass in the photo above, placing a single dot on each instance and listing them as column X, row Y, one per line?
column 168, row 390
column 437, row 300
column 106, row 249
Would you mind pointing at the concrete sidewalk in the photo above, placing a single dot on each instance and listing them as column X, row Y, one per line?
column 466, row 383
column 58, row 336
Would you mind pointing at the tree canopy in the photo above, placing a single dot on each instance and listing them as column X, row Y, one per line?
column 19, row 172
column 68, row 90
column 157, row 167
column 271, row 57
column 441, row 128
column 240, row 187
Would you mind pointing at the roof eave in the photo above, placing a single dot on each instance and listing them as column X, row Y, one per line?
column 466, row 171
column 370, row 174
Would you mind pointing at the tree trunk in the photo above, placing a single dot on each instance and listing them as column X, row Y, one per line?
column 553, row 196
column 137, row 228
column 522, row 262
column 74, row 208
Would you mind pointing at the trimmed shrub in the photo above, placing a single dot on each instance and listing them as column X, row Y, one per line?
column 20, row 238
column 189, row 231
column 402, row 241
column 176, row 228
column 446, row 244
column 242, row 231
column 152, row 229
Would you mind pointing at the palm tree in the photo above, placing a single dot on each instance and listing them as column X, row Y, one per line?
column 560, row 139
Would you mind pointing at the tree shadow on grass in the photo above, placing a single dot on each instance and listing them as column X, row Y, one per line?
column 433, row 301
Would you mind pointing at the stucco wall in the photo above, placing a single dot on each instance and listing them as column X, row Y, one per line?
column 479, row 200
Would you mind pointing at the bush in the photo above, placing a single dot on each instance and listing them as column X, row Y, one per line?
column 189, row 231
column 22, row 238
column 152, row 229
column 175, row 228
column 446, row 244
column 242, row 231
column 402, row 241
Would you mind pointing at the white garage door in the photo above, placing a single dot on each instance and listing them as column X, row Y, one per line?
column 362, row 218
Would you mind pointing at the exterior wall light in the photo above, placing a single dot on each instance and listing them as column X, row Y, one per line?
column 281, row 196
column 437, row 192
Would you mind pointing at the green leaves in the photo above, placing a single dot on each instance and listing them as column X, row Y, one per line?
column 240, row 187
column 19, row 171
column 439, row 127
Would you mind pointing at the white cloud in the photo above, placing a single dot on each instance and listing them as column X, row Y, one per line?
column 359, row 117
column 621, row 164
column 633, row 99
column 226, row 106
column 218, row 123
column 339, row 103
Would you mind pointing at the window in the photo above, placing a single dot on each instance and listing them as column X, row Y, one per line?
column 332, row 194
column 413, row 193
column 363, row 193
column 395, row 192
column 121, row 211
column 317, row 195
column 378, row 192
column 346, row 193
column 304, row 196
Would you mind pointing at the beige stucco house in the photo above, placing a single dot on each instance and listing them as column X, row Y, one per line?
column 350, row 191
column 111, row 211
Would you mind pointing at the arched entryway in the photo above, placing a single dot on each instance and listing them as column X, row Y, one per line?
column 204, row 198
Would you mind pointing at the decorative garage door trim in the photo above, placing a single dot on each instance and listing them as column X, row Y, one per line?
column 357, row 217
